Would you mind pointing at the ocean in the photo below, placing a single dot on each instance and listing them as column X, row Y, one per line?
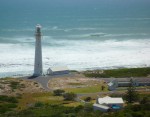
column 81, row 35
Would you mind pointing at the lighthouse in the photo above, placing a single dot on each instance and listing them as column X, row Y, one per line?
column 38, row 68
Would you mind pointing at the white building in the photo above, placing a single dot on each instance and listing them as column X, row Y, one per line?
column 38, row 69
column 121, row 82
column 100, row 107
column 112, row 85
column 108, row 103
column 57, row 71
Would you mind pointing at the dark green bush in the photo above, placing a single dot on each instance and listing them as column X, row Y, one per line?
column 8, row 99
column 11, row 105
column 88, row 99
column 88, row 107
column 69, row 96
column 38, row 104
column 119, row 73
column 58, row 92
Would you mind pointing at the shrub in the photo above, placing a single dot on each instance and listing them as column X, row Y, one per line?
column 145, row 100
column 87, row 99
column 58, row 92
column 8, row 99
column 78, row 108
column 102, row 88
column 88, row 107
column 11, row 105
column 69, row 96
column 4, row 109
column 14, row 85
column 38, row 104
column 131, row 94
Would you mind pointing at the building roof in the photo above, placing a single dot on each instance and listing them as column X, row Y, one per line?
column 143, row 80
column 54, row 69
column 110, row 100
column 101, row 106
column 110, row 84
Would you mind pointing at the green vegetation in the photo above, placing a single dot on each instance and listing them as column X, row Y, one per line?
column 4, row 98
column 58, row 92
column 87, row 89
column 75, row 83
column 7, row 103
column 16, row 85
column 145, row 100
column 48, row 110
column 119, row 73
column 29, row 99
column 45, row 105
column 69, row 96
column 88, row 99
column 131, row 94
column 38, row 104
column 102, row 88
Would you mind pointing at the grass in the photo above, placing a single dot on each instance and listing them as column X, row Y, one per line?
column 88, row 89
column 73, row 104
column 16, row 85
column 120, row 73
column 29, row 99
column 7, row 103
column 75, row 83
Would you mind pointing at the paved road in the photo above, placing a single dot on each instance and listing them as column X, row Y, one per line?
column 43, row 80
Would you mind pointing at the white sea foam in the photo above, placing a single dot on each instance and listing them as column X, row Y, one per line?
column 78, row 55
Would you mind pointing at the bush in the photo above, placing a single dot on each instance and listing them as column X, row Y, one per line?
column 38, row 104
column 88, row 107
column 131, row 94
column 69, row 96
column 14, row 85
column 102, row 88
column 78, row 108
column 4, row 109
column 118, row 73
column 8, row 99
column 11, row 105
column 145, row 100
column 87, row 99
column 58, row 92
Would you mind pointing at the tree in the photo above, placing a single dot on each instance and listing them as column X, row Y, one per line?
column 38, row 104
column 102, row 88
column 145, row 100
column 69, row 96
column 88, row 107
column 87, row 99
column 58, row 92
column 131, row 94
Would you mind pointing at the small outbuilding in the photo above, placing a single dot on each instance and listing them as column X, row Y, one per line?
column 112, row 85
column 57, row 71
column 111, row 102
column 121, row 82
column 100, row 107
column 107, row 103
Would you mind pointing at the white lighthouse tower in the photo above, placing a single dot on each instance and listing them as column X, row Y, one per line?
column 38, row 69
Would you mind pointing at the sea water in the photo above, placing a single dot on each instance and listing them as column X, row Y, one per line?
column 82, row 35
